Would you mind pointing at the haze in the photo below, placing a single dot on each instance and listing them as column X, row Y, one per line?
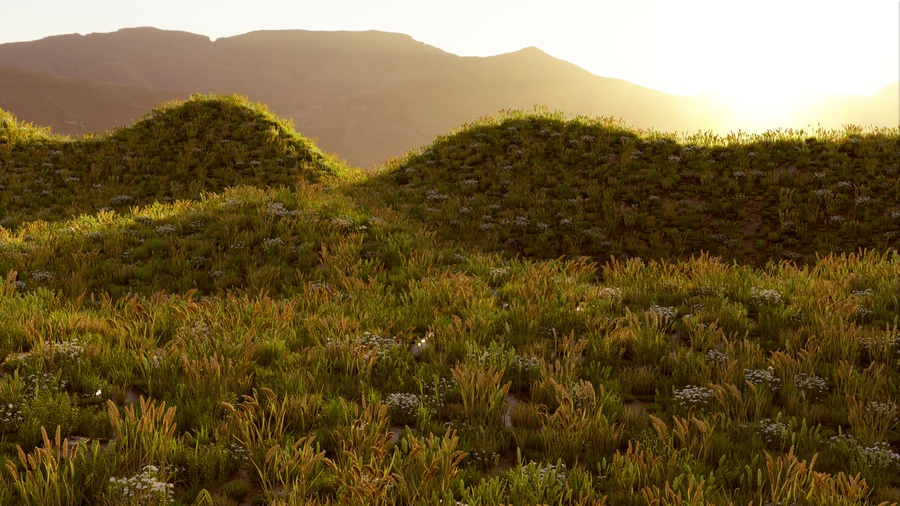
column 679, row 47
column 689, row 65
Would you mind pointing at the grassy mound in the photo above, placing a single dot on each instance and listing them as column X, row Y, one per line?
column 536, row 184
column 288, row 330
column 179, row 151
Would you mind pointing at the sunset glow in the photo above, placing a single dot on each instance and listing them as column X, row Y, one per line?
column 678, row 47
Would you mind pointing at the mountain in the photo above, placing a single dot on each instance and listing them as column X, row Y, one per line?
column 372, row 95
column 73, row 106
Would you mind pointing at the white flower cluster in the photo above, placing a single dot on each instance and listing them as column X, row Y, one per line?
column 41, row 276
column 238, row 452
column 862, row 293
column 716, row 356
column 144, row 486
column 43, row 381
column 499, row 359
column 72, row 349
column 693, row 396
column 667, row 312
column 480, row 458
column 774, row 432
column 277, row 209
column 882, row 408
column 165, row 230
column 436, row 391
column 887, row 340
column 319, row 285
column 497, row 272
column 813, row 385
column 521, row 221
column 878, row 456
column 406, row 404
column 10, row 417
column 611, row 293
column 341, row 222
column 360, row 344
column 864, row 313
column 766, row 295
column 762, row 376
column 434, row 195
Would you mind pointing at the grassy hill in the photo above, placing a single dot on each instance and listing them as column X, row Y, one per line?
column 528, row 310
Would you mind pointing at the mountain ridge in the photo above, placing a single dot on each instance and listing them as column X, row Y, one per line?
column 373, row 95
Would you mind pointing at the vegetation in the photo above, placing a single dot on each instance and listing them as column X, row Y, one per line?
column 204, row 308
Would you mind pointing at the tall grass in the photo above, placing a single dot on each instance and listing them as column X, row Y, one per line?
column 531, row 309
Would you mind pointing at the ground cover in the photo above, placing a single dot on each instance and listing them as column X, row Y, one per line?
column 530, row 310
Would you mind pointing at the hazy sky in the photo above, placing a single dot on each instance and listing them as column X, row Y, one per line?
column 676, row 46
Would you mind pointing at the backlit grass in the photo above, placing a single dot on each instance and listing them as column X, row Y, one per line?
column 204, row 308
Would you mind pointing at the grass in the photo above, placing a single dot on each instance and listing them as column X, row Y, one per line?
column 204, row 308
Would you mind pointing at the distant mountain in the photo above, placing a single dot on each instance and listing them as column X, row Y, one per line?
column 371, row 95
column 74, row 106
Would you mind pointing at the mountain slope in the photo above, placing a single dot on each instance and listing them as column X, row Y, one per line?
column 372, row 95
column 73, row 106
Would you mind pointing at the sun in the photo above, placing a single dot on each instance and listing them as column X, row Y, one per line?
column 761, row 100
column 763, row 95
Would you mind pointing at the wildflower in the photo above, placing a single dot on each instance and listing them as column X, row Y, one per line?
column 666, row 312
column 41, row 276
column 693, row 396
column 165, row 230
column 766, row 376
column 774, row 432
column 811, row 385
column 716, row 356
column 766, row 295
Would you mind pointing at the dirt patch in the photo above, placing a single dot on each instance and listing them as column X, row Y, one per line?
column 508, row 460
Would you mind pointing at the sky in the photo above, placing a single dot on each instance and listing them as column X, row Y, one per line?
column 753, row 49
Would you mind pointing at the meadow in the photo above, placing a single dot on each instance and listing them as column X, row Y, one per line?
column 205, row 308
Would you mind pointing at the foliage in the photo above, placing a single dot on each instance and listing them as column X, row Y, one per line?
column 528, row 310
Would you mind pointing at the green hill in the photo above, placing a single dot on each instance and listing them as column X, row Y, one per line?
column 178, row 151
column 536, row 184
column 529, row 310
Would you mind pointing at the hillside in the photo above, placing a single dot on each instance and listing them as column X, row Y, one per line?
column 536, row 184
column 74, row 106
column 371, row 95
column 206, row 308
column 533, row 184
